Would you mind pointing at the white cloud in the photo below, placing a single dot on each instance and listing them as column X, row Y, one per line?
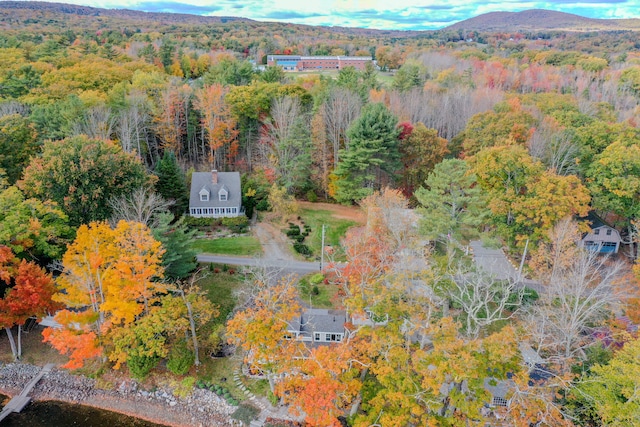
column 381, row 14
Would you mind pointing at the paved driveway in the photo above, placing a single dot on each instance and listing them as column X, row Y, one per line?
column 493, row 261
column 496, row 263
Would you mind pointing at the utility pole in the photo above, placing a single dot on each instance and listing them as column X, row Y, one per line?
column 524, row 255
column 322, row 249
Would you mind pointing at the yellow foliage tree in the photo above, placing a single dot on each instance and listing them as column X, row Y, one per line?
column 217, row 121
column 107, row 283
column 261, row 329
column 283, row 205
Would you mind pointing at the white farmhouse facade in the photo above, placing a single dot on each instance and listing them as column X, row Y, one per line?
column 215, row 195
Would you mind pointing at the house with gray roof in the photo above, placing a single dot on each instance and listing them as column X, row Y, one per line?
column 318, row 325
column 538, row 374
column 215, row 195
column 602, row 238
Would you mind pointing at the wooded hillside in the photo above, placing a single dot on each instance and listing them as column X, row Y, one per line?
column 512, row 137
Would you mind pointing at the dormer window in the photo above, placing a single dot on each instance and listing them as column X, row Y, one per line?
column 204, row 195
column 223, row 195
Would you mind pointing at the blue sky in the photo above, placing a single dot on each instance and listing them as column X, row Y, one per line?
column 378, row 14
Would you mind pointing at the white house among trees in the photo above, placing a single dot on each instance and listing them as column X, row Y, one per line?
column 318, row 325
column 602, row 238
column 215, row 194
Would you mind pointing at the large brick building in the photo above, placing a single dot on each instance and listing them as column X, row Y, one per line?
column 302, row 63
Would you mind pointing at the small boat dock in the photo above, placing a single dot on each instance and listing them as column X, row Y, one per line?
column 18, row 403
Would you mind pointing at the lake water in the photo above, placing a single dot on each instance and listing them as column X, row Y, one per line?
column 59, row 414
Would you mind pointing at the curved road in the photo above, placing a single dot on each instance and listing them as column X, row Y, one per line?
column 298, row 267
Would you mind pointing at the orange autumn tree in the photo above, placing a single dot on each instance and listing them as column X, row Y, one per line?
column 408, row 361
column 171, row 117
column 261, row 329
column 108, row 282
column 218, row 123
column 377, row 248
column 27, row 290
column 325, row 384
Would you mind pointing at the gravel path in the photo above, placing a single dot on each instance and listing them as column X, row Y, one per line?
column 275, row 245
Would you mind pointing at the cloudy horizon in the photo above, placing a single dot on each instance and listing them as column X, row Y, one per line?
column 374, row 14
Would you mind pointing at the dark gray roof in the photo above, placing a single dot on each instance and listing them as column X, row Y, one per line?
column 594, row 220
column 319, row 320
column 497, row 388
column 230, row 181
column 595, row 223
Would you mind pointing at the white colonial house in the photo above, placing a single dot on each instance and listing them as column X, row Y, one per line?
column 215, row 195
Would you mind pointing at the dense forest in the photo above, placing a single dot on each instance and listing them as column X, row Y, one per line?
column 508, row 136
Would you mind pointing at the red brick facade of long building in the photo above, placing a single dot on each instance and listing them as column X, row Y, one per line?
column 302, row 63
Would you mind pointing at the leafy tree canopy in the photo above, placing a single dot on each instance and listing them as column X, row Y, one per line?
column 81, row 174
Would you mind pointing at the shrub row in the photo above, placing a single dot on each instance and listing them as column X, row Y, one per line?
column 238, row 224
column 202, row 222
column 221, row 391
column 295, row 234
column 302, row 249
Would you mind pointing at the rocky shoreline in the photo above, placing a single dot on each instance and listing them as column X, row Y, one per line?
column 201, row 408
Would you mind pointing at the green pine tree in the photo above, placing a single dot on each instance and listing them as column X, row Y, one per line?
column 373, row 157
column 171, row 183
column 450, row 202
column 179, row 259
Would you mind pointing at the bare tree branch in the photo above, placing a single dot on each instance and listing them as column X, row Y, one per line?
column 578, row 295
column 340, row 109
column 483, row 299
column 142, row 205
column 97, row 123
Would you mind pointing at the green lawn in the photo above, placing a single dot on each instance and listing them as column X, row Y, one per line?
column 220, row 371
column 323, row 299
column 385, row 78
column 243, row 245
column 328, row 73
column 220, row 288
column 335, row 228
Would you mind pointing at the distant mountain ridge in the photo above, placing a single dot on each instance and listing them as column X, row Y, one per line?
column 119, row 13
column 166, row 18
column 541, row 19
column 528, row 20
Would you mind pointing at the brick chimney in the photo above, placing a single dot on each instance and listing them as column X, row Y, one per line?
column 214, row 176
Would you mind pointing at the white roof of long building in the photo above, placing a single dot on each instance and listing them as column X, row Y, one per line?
column 339, row 58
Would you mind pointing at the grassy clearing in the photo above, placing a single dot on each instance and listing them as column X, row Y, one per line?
column 242, row 245
column 220, row 287
column 34, row 351
column 327, row 73
column 220, row 371
column 335, row 228
column 385, row 78
column 259, row 387
column 325, row 296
